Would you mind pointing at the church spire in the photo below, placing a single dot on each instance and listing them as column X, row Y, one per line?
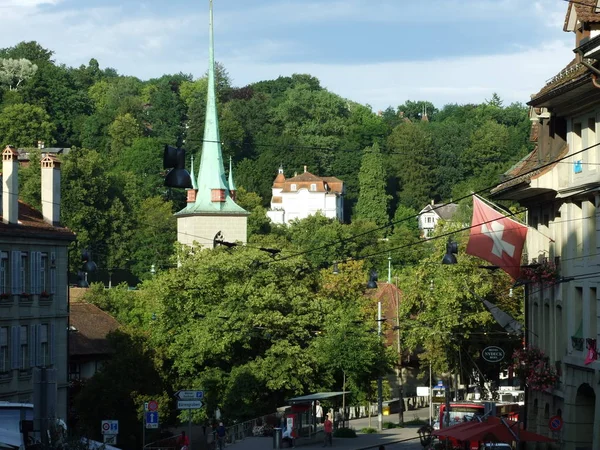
column 211, row 176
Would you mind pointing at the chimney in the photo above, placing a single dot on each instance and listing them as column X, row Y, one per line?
column 51, row 190
column 10, row 185
column 304, row 169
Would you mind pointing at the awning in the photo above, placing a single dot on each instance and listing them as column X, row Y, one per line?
column 316, row 396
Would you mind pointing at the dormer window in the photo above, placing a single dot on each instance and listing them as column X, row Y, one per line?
column 217, row 195
column 293, row 187
column 313, row 187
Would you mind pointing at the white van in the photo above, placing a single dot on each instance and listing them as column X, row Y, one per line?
column 12, row 426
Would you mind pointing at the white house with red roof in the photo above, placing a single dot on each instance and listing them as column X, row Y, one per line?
column 304, row 195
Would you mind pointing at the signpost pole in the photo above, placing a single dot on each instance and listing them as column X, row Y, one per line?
column 190, row 428
column 144, row 430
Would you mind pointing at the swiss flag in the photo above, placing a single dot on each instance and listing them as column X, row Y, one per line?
column 496, row 238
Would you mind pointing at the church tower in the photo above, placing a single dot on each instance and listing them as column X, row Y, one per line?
column 211, row 212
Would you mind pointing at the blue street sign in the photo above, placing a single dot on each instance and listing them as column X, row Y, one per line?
column 152, row 419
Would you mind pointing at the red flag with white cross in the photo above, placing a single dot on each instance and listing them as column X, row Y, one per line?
column 496, row 238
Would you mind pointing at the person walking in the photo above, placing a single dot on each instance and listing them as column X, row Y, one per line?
column 328, row 429
column 221, row 433
column 183, row 443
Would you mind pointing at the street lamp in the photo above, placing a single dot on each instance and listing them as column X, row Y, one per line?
column 372, row 284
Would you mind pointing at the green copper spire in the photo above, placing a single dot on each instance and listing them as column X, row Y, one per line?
column 211, row 173
column 231, row 183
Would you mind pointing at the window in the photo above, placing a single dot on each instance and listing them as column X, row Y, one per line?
column 74, row 371
column 313, row 187
column 293, row 187
column 4, row 363
column 24, row 348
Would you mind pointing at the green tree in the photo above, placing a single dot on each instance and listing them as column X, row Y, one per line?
column 373, row 201
column 412, row 161
column 123, row 132
column 23, row 125
column 14, row 71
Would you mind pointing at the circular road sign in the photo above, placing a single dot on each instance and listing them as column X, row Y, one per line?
column 492, row 354
column 105, row 426
column 152, row 405
column 555, row 423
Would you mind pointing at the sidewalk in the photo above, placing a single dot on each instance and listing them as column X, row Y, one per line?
column 399, row 437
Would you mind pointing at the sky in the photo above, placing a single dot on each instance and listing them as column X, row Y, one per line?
column 376, row 52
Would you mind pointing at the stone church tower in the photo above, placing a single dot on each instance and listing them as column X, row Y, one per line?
column 211, row 212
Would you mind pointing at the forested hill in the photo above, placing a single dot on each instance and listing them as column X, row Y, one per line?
column 117, row 124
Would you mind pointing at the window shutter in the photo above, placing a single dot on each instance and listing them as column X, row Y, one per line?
column 32, row 287
column 15, row 343
column 15, row 271
column 51, row 349
column 38, row 346
column 52, row 273
column 31, row 345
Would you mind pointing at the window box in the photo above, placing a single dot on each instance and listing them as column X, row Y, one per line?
column 45, row 295
column 4, row 296
column 25, row 296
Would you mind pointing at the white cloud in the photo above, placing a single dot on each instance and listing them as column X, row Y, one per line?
column 515, row 77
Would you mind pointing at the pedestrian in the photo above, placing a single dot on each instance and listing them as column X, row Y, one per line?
column 319, row 413
column 221, row 432
column 183, row 442
column 328, row 429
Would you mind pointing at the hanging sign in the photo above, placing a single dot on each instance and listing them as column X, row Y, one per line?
column 492, row 354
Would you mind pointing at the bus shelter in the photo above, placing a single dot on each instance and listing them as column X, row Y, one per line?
column 301, row 415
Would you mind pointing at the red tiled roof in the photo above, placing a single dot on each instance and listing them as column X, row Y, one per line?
column 31, row 222
column 585, row 10
column 306, row 179
column 572, row 72
column 525, row 170
column 91, row 326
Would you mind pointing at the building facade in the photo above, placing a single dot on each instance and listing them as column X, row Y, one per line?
column 559, row 184
column 211, row 213
column 34, row 307
column 432, row 214
column 305, row 195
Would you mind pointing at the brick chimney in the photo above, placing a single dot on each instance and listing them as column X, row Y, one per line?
column 10, row 185
column 51, row 190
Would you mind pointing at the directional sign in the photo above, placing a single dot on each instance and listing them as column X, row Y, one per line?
column 110, row 439
column 189, row 404
column 189, row 395
column 110, row 427
column 152, row 419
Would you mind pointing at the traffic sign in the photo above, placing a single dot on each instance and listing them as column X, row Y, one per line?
column 189, row 404
column 189, row 395
column 152, row 419
column 152, row 405
column 555, row 423
column 110, row 427
column 110, row 439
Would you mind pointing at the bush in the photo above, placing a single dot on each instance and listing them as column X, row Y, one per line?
column 344, row 433
column 368, row 430
column 389, row 425
column 415, row 421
